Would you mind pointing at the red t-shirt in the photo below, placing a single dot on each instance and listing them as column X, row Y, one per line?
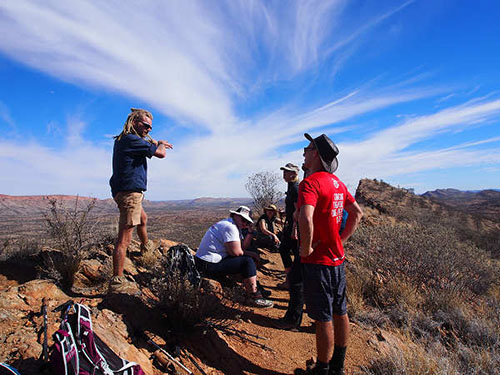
column 328, row 195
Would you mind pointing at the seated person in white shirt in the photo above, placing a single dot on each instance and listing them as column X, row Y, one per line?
column 222, row 252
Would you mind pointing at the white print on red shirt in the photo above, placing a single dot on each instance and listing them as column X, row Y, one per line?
column 338, row 203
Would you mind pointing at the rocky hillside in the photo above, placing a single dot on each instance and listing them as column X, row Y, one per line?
column 246, row 342
column 430, row 316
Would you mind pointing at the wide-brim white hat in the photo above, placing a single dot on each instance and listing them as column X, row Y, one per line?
column 244, row 212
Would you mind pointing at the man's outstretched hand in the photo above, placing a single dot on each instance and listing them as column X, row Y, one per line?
column 165, row 143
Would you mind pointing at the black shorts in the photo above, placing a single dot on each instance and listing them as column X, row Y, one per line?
column 324, row 291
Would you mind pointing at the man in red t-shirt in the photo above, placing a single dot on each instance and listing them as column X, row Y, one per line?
column 322, row 199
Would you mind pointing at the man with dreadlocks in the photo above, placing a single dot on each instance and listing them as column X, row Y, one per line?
column 128, row 182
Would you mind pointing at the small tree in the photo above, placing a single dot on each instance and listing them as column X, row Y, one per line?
column 263, row 188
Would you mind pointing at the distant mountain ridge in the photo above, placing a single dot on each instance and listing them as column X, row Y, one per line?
column 34, row 205
column 484, row 214
column 484, row 202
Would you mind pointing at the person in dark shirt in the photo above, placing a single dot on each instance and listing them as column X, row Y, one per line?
column 267, row 231
column 288, row 245
column 128, row 183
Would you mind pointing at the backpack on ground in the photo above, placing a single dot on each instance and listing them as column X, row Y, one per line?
column 180, row 263
column 5, row 369
column 78, row 350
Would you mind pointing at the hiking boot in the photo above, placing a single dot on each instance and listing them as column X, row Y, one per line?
column 120, row 285
column 147, row 248
column 311, row 371
column 256, row 300
column 285, row 285
column 336, row 372
column 265, row 293
column 286, row 325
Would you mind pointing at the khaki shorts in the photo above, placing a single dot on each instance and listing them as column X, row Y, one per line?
column 130, row 206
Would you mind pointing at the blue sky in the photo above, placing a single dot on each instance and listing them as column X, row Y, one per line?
column 409, row 90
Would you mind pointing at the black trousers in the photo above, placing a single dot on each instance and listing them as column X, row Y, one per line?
column 264, row 241
column 287, row 246
column 296, row 290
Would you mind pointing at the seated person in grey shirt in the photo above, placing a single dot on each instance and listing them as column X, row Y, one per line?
column 222, row 251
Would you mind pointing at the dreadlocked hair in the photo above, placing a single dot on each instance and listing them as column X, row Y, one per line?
column 134, row 115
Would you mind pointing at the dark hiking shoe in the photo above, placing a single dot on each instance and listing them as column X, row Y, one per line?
column 311, row 371
column 265, row 293
column 336, row 372
column 285, row 285
column 286, row 325
column 120, row 285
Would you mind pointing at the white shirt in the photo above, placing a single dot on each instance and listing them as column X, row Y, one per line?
column 212, row 247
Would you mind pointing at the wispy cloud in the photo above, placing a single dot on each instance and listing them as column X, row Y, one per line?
column 6, row 118
column 193, row 61
column 30, row 168
column 384, row 153
column 188, row 59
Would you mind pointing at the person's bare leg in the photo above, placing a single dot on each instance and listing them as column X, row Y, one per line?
column 250, row 284
column 142, row 231
column 324, row 341
column 120, row 252
column 342, row 329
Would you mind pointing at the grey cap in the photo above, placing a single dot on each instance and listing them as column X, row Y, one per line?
column 290, row 167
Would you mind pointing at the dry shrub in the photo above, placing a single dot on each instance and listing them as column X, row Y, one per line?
column 427, row 281
column 73, row 231
column 19, row 249
column 356, row 280
column 408, row 361
column 486, row 239
column 147, row 260
column 425, row 258
column 188, row 306
column 431, row 357
column 477, row 361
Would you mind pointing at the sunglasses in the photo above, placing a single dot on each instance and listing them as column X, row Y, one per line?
column 146, row 125
column 309, row 148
